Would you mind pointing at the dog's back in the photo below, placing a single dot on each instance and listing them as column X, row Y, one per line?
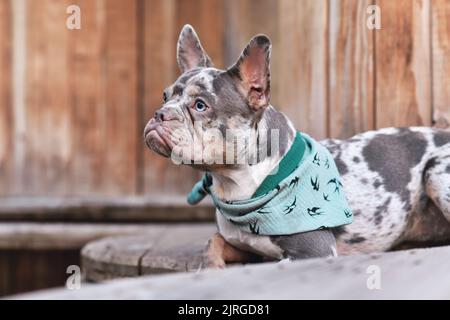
column 398, row 184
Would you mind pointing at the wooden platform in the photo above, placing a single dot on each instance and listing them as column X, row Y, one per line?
column 35, row 255
column 105, row 209
column 164, row 249
column 414, row 274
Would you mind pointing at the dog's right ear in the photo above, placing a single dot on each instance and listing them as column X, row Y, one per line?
column 252, row 72
column 190, row 53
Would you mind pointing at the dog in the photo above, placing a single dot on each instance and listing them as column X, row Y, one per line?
column 396, row 180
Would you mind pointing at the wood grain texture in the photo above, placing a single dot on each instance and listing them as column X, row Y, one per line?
column 71, row 236
column 48, row 116
column 351, row 69
column 148, row 208
column 82, row 99
column 87, row 99
column 303, row 51
column 441, row 62
column 403, row 57
column 121, row 134
column 6, row 107
column 87, row 94
column 162, row 249
column 28, row 270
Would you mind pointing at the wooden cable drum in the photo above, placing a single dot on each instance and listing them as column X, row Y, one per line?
column 168, row 249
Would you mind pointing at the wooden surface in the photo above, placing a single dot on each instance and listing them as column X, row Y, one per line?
column 36, row 255
column 403, row 95
column 303, row 84
column 65, row 236
column 415, row 274
column 441, row 61
column 123, row 209
column 27, row 270
column 6, row 111
column 164, row 249
column 351, row 69
column 81, row 113
column 73, row 103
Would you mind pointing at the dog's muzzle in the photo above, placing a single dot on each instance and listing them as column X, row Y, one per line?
column 156, row 137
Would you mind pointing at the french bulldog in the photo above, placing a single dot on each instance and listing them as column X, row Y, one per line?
column 396, row 180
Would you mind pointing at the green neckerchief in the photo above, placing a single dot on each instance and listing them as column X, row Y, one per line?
column 285, row 167
column 305, row 194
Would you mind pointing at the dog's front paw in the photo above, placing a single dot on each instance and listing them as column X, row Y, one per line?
column 211, row 261
column 213, row 253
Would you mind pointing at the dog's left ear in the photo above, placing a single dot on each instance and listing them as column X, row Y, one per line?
column 252, row 72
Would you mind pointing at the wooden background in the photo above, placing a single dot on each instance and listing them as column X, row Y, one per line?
column 73, row 103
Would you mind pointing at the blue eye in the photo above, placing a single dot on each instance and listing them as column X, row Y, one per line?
column 200, row 106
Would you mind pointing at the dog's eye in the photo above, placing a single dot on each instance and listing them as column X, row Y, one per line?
column 200, row 106
column 164, row 97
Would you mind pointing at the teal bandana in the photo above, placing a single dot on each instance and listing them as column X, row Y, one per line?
column 305, row 194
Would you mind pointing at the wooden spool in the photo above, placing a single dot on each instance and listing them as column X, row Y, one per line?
column 168, row 249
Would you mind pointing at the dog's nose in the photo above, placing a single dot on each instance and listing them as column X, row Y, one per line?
column 166, row 114
column 159, row 115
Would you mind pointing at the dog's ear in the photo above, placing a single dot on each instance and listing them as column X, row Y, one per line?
column 190, row 53
column 252, row 72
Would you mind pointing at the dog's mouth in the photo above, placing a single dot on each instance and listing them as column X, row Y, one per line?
column 156, row 138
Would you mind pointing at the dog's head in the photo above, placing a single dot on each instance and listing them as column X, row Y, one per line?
column 206, row 108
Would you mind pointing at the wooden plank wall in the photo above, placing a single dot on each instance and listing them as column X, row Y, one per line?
column 403, row 74
column 441, row 61
column 6, row 113
column 73, row 103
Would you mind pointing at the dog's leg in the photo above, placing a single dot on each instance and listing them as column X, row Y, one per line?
column 437, row 179
column 313, row 244
column 219, row 252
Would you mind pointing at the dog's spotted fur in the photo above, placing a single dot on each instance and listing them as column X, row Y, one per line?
column 397, row 181
column 389, row 176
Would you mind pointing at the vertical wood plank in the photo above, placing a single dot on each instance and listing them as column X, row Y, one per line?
column 18, row 85
column 82, row 119
column 6, row 112
column 104, row 71
column 351, row 69
column 87, row 98
column 403, row 92
column 441, row 61
column 303, row 84
column 48, row 136
column 121, row 133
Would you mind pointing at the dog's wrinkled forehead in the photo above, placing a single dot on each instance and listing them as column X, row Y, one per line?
column 198, row 80
column 217, row 87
